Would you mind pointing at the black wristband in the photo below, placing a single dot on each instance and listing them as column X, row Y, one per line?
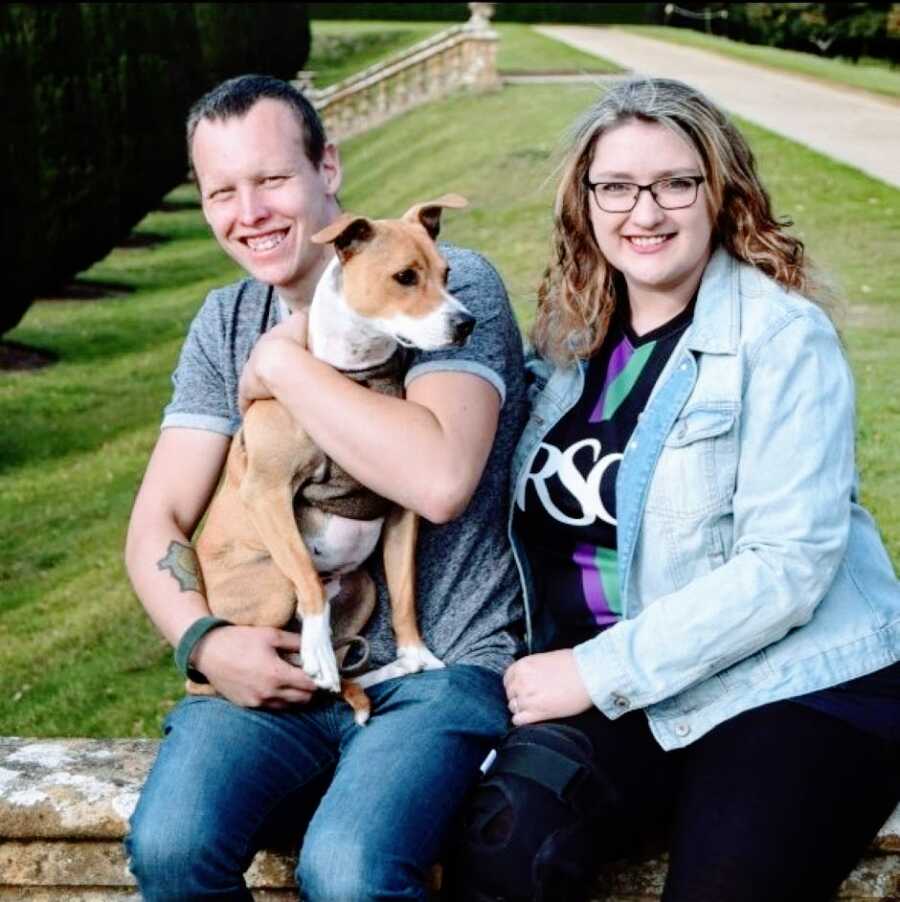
column 192, row 635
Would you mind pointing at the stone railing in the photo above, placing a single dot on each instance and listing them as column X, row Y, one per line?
column 64, row 806
column 464, row 56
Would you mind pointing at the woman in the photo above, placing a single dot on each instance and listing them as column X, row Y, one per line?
column 715, row 618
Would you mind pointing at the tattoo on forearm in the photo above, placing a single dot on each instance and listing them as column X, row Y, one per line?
column 181, row 561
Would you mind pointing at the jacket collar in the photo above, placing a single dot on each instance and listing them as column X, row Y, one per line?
column 716, row 326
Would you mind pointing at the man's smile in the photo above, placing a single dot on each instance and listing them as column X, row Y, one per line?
column 266, row 242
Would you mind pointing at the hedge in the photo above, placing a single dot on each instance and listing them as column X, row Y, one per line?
column 96, row 95
column 597, row 13
column 849, row 30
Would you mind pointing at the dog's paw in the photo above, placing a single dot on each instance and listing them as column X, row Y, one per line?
column 362, row 716
column 415, row 658
column 317, row 654
column 379, row 675
column 410, row 659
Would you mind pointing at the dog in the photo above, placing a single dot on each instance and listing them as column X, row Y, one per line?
column 288, row 532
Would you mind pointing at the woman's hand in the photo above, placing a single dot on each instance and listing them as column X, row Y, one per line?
column 544, row 687
column 269, row 352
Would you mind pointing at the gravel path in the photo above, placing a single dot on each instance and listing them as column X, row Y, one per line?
column 847, row 125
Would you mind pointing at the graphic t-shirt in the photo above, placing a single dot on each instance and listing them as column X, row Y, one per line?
column 568, row 521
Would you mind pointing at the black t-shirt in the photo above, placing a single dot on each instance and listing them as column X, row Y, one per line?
column 568, row 523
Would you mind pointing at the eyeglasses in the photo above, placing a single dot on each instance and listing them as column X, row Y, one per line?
column 672, row 193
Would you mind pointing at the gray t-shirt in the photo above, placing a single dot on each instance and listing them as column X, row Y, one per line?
column 468, row 594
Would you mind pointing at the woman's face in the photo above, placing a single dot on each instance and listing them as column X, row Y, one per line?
column 657, row 251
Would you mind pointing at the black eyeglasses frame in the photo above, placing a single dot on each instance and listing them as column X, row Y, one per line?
column 698, row 180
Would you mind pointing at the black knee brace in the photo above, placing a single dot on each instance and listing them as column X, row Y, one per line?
column 525, row 834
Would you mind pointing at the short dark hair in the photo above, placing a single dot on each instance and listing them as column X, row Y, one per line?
column 235, row 97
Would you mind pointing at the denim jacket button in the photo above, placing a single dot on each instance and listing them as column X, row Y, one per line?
column 621, row 702
column 682, row 729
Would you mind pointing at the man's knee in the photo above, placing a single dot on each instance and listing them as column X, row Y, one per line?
column 158, row 863
column 172, row 863
column 526, row 833
column 335, row 868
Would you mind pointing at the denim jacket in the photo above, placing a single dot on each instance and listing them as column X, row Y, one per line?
column 748, row 572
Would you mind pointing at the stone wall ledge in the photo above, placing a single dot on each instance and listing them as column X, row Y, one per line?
column 65, row 804
column 411, row 58
column 459, row 57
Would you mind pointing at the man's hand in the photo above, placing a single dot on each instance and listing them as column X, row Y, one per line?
column 268, row 352
column 242, row 663
column 544, row 687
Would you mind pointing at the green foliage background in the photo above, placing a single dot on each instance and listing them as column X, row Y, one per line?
column 78, row 655
column 95, row 95
column 598, row 13
column 849, row 30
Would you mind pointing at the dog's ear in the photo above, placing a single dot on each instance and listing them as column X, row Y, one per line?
column 429, row 214
column 348, row 233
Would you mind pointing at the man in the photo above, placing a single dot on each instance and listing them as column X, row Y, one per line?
column 271, row 758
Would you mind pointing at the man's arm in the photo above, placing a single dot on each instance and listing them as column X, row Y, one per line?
column 425, row 452
column 241, row 663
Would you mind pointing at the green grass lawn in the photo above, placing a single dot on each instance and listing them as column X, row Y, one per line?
column 876, row 77
column 522, row 49
column 342, row 47
column 77, row 654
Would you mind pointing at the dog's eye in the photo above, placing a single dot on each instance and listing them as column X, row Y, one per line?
column 407, row 277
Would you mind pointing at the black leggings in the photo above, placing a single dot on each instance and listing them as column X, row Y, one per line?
column 777, row 803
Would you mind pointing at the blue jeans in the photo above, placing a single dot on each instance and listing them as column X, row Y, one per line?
column 372, row 804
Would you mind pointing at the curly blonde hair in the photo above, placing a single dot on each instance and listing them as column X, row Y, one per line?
column 580, row 288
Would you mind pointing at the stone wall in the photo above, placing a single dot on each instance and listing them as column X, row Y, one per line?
column 464, row 56
column 65, row 804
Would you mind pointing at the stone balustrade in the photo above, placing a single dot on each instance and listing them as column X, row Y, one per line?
column 464, row 56
column 65, row 804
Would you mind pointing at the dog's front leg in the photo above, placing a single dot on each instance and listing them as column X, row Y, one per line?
column 316, row 650
column 278, row 458
column 400, row 532
column 271, row 510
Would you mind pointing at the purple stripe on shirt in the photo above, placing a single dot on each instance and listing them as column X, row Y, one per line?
column 618, row 360
column 592, row 584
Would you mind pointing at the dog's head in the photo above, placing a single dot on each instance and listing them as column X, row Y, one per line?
column 393, row 276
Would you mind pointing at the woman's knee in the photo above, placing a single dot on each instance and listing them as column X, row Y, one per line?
column 527, row 832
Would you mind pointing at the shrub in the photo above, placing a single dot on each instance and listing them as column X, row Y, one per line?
column 849, row 30
column 97, row 95
column 600, row 13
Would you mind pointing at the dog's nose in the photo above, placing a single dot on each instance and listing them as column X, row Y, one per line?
column 463, row 324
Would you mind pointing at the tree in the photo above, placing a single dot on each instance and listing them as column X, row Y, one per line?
column 95, row 96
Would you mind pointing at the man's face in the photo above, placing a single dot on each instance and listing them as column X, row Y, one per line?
column 263, row 198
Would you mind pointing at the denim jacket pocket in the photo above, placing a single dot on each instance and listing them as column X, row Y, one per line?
column 695, row 473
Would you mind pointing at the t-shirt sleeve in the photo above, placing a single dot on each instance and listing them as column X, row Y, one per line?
column 201, row 398
column 494, row 344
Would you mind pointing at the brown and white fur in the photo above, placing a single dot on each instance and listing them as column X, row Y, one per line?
column 263, row 561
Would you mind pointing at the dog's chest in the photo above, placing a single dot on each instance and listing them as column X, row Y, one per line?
column 338, row 544
column 332, row 489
